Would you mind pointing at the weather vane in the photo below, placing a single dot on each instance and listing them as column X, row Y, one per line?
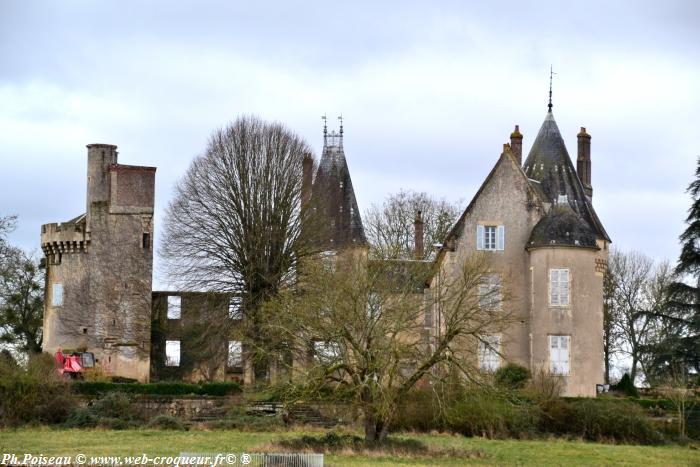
column 325, row 123
column 551, row 74
column 340, row 117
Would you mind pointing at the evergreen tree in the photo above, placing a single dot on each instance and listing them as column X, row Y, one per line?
column 680, row 347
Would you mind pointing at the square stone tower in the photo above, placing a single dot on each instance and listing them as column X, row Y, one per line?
column 99, row 269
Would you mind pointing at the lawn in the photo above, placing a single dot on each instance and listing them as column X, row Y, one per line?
column 49, row 441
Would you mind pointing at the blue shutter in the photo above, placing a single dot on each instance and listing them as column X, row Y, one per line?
column 500, row 237
column 479, row 237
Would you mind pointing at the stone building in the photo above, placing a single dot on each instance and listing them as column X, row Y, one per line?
column 537, row 223
column 535, row 220
column 99, row 269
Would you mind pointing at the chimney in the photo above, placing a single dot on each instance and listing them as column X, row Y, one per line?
column 307, row 176
column 100, row 158
column 516, row 144
column 583, row 161
column 418, row 225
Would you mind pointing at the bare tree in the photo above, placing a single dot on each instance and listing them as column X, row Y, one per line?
column 637, row 294
column 365, row 330
column 390, row 227
column 235, row 224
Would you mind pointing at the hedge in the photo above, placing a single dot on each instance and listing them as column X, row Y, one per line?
column 96, row 388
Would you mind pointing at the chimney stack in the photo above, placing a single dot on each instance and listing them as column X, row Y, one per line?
column 418, row 225
column 516, row 144
column 307, row 177
column 583, row 161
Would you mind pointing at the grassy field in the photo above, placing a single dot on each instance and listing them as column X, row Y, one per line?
column 485, row 452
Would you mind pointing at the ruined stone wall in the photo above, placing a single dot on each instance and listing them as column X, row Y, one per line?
column 203, row 330
column 104, row 261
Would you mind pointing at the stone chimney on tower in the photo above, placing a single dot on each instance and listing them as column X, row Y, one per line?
column 418, row 229
column 583, row 161
column 516, row 144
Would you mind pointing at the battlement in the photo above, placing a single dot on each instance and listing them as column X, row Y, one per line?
column 64, row 237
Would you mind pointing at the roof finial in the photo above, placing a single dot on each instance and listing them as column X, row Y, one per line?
column 340, row 117
column 551, row 73
column 325, row 129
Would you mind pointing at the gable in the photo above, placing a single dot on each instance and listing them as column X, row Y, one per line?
column 505, row 196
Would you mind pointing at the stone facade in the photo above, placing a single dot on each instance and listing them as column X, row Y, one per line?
column 99, row 268
column 535, row 221
column 549, row 252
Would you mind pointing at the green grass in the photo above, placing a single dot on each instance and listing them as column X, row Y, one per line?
column 50, row 441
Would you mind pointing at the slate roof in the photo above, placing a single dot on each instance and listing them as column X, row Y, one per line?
column 572, row 221
column 333, row 196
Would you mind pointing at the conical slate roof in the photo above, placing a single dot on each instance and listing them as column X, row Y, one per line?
column 548, row 165
column 333, row 197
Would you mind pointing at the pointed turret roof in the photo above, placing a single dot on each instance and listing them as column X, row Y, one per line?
column 548, row 165
column 333, row 197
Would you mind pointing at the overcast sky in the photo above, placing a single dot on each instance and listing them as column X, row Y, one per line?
column 429, row 91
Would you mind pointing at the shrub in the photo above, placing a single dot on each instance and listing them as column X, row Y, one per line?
column 166, row 422
column 490, row 414
column 511, row 376
column 34, row 393
column 113, row 405
column 599, row 420
column 626, row 385
column 95, row 388
column 544, row 386
column 421, row 411
column 81, row 418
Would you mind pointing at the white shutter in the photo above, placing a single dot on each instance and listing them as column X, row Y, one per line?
column 564, row 287
column 559, row 355
column 553, row 353
column 501, row 237
column 564, row 354
column 479, row 237
column 554, row 287
column 57, row 295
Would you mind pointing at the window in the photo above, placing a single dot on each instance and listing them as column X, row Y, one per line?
column 234, row 308
column 57, row 296
column 490, row 292
column 328, row 260
column 559, row 355
column 489, row 353
column 490, row 237
column 235, row 354
column 174, row 308
column 325, row 352
column 374, row 305
column 559, row 287
column 172, row 353
column 146, row 241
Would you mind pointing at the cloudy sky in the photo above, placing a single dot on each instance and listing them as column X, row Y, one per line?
column 429, row 90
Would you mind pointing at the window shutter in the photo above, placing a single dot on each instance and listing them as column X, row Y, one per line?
column 479, row 237
column 501, row 237
column 564, row 354
column 57, row 295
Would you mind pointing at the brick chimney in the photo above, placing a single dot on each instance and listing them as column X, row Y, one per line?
column 418, row 228
column 307, row 177
column 516, row 144
column 583, row 161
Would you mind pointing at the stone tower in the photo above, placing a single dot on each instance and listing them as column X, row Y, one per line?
column 568, row 251
column 99, row 269
column 333, row 197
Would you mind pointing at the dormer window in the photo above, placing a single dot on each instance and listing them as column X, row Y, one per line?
column 561, row 199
